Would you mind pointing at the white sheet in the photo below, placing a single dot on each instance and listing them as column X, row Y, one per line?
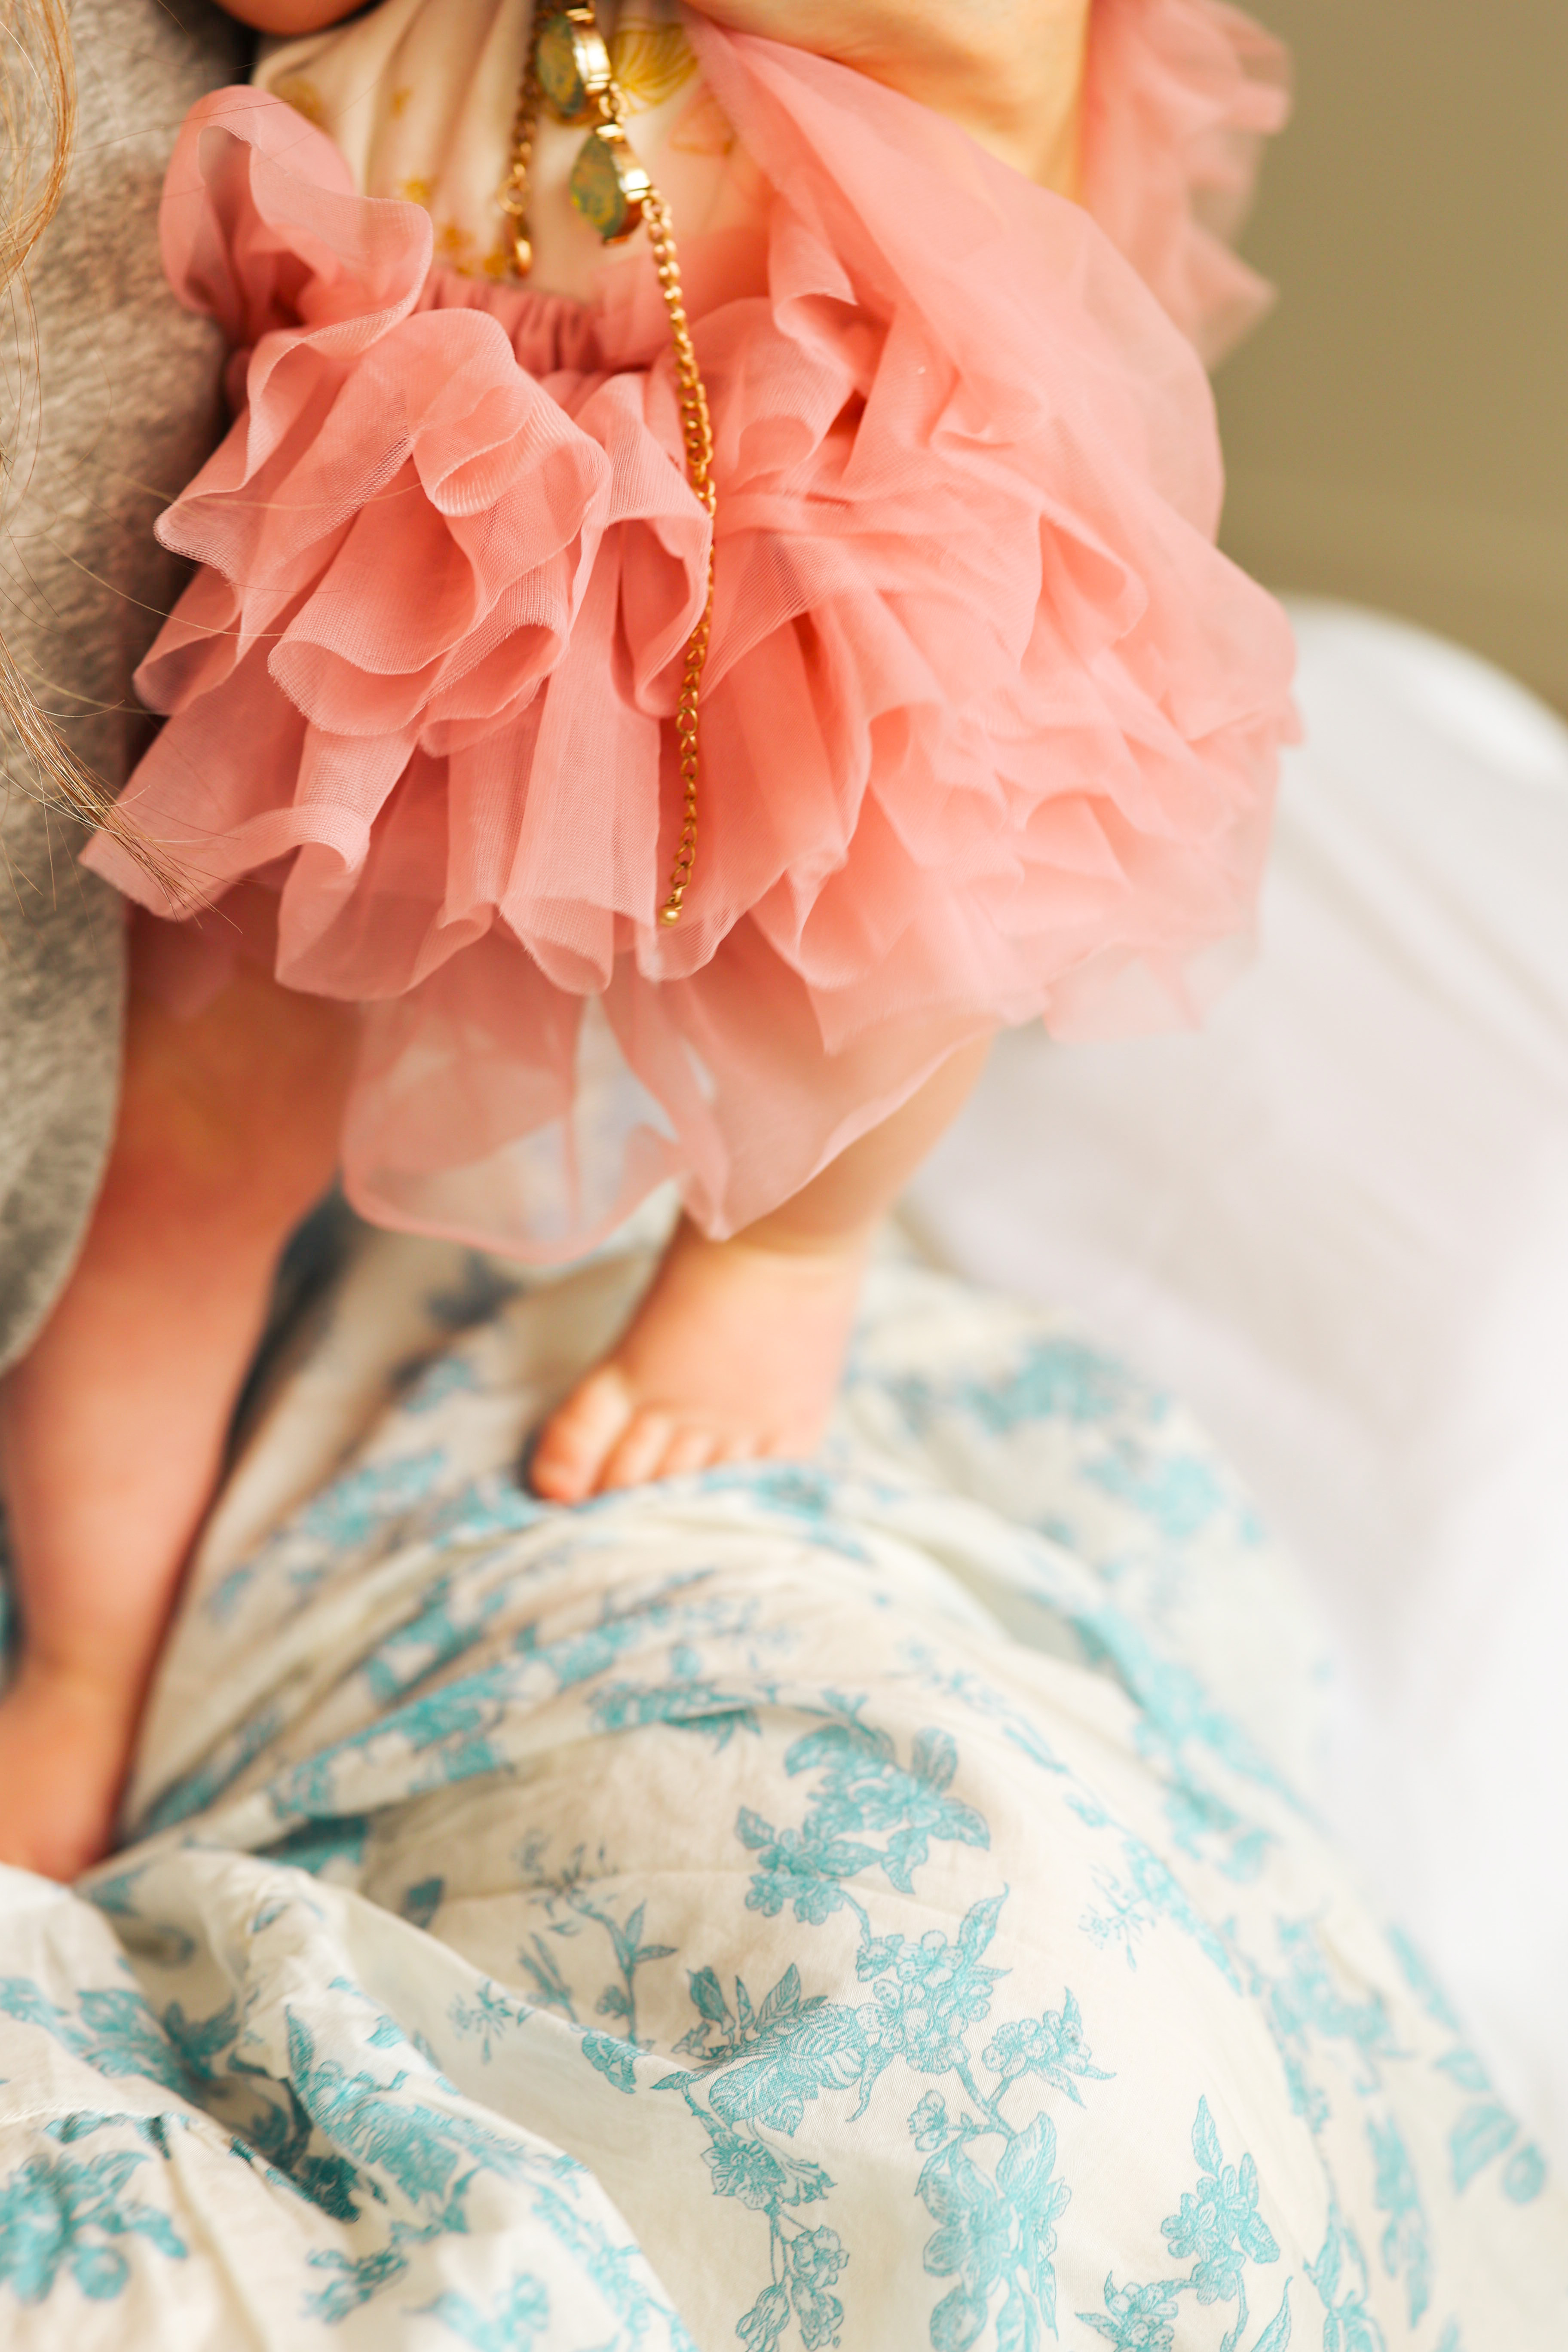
column 794, row 1905
column 1338, row 1222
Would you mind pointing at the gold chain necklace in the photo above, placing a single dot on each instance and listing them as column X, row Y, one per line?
column 569, row 69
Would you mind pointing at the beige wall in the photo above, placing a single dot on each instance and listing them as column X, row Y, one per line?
column 1398, row 431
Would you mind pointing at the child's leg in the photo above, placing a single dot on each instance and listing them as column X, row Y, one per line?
column 736, row 1350
column 111, row 1430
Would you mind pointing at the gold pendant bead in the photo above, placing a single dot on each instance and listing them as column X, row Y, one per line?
column 573, row 64
column 608, row 186
column 569, row 71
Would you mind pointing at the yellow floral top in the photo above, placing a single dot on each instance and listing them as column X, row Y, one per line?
column 420, row 95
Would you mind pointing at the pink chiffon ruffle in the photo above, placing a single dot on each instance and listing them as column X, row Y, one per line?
column 1180, row 98
column 991, row 729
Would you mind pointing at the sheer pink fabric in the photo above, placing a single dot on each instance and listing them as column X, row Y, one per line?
column 1180, row 98
column 991, row 729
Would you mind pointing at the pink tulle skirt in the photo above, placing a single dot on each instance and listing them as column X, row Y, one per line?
column 990, row 727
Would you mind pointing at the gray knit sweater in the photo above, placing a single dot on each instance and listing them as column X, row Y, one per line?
column 119, row 413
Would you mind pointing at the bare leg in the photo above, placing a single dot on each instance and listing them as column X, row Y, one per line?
column 736, row 1350
column 111, row 1430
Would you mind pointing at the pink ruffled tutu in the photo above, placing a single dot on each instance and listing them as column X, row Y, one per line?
column 990, row 727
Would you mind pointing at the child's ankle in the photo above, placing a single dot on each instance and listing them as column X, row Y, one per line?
column 780, row 1235
column 94, row 1687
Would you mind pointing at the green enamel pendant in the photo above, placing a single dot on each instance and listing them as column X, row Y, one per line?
column 573, row 64
column 608, row 186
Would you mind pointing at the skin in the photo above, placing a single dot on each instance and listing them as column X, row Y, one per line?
column 686, row 1386
column 227, row 1134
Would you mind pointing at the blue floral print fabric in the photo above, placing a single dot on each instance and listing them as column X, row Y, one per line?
column 874, row 1905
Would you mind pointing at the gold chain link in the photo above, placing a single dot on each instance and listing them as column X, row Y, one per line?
column 696, row 428
column 697, row 432
column 513, row 196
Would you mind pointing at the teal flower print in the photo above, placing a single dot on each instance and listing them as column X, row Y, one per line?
column 1524, row 2176
column 1407, row 2242
column 57, row 2212
column 866, row 1791
column 615, row 2058
column 1219, row 2227
column 430, row 1385
column 1151, row 1890
column 1136, row 2318
column 1482, row 2133
column 869, row 1813
column 760, row 2328
column 279, row 2135
column 995, row 2233
column 1339, row 2276
column 798, row 1868
column 353, row 2281
column 417, row 2148
column 758, row 2068
column 822, row 2047
column 765, row 2064
column 517, row 2324
column 689, row 1702
column 746, row 2169
column 816, row 2259
column 928, row 1994
column 364, row 1506
column 422, row 1901
column 1053, row 1379
column 1485, row 2129
column 1051, row 2046
column 115, row 2032
column 812, row 2262
column 488, row 2018
column 973, row 2239
column 1308, row 2006
column 928, row 2127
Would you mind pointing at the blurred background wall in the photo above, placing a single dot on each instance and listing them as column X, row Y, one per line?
column 1397, row 432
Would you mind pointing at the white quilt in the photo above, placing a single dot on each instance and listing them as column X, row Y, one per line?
column 874, row 1906
column 1338, row 1222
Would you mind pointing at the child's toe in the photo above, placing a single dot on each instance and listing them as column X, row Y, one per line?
column 691, row 1448
column 639, row 1454
column 580, row 1438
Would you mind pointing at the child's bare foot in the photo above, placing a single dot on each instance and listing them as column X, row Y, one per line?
column 735, row 1353
column 63, row 1746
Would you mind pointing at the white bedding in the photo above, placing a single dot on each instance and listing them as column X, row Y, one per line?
column 867, row 1904
column 1338, row 1222
column 871, row 1903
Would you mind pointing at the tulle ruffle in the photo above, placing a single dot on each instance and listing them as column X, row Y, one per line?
column 1179, row 97
column 991, row 727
